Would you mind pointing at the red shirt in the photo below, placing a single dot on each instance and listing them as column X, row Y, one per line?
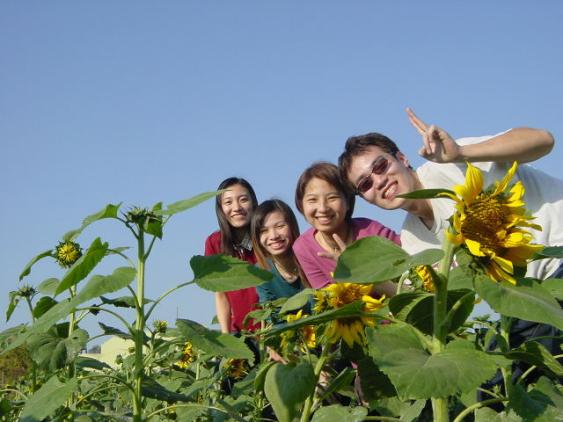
column 242, row 301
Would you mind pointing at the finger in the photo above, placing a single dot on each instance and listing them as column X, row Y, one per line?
column 427, row 141
column 423, row 152
column 328, row 255
column 339, row 242
column 418, row 124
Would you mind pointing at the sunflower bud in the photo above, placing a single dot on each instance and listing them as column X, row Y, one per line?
column 141, row 216
column 160, row 326
column 27, row 292
column 67, row 253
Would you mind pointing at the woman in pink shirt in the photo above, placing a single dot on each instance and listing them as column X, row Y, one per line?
column 327, row 204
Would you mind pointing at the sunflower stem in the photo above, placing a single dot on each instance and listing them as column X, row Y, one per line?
column 505, row 324
column 305, row 416
column 139, row 329
column 439, row 329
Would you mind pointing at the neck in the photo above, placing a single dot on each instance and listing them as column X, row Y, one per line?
column 286, row 266
column 422, row 208
column 238, row 234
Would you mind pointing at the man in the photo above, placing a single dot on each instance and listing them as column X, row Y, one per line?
column 378, row 171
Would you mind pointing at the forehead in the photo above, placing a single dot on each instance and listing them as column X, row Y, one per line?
column 316, row 186
column 359, row 163
column 234, row 191
column 273, row 218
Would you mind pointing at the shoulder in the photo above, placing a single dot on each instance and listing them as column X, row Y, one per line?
column 213, row 243
column 304, row 241
column 364, row 227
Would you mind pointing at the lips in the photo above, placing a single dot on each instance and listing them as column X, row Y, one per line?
column 390, row 191
column 324, row 220
column 278, row 246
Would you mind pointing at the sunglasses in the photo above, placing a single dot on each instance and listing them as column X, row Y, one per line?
column 379, row 167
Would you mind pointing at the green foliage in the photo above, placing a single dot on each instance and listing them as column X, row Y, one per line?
column 81, row 268
column 427, row 349
column 528, row 301
column 221, row 273
column 47, row 399
column 27, row 269
column 213, row 342
column 376, row 259
column 55, row 348
column 418, row 373
column 287, row 387
column 338, row 413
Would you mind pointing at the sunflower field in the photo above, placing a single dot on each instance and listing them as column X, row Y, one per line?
column 333, row 354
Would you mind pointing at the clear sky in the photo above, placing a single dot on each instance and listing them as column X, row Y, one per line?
column 139, row 102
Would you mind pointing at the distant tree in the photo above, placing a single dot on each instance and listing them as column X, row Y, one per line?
column 13, row 365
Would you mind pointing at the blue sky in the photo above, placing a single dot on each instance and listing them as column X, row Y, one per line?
column 140, row 102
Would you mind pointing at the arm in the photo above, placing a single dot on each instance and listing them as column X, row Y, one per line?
column 223, row 309
column 520, row 144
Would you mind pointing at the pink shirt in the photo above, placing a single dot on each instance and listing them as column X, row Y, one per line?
column 318, row 268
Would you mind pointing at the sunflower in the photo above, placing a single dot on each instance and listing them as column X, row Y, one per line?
column 188, row 356
column 350, row 329
column 491, row 224
column 422, row 274
column 237, row 368
column 67, row 253
column 307, row 333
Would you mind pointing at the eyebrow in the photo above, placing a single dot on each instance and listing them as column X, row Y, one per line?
column 367, row 173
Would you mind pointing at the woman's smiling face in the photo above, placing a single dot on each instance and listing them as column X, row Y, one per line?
column 324, row 206
column 237, row 206
column 275, row 234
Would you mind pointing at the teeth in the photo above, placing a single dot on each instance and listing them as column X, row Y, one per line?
column 390, row 191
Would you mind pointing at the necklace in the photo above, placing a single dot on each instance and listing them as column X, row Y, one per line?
column 289, row 275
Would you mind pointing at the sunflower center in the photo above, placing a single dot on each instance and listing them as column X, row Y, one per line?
column 484, row 219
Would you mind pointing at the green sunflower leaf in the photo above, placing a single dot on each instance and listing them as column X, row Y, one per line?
column 27, row 269
column 375, row 259
column 186, row 204
column 417, row 374
column 43, row 305
column 529, row 300
column 85, row 264
column 47, row 399
column 96, row 286
column 536, row 354
column 48, row 286
column 297, row 301
column 213, row 342
column 533, row 405
column 549, row 252
column 109, row 211
column 339, row 413
column 428, row 194
column 14, row 300
column 221, row 273
column 287, row 387
column 54, row 349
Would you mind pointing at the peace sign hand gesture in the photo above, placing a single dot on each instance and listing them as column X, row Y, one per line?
column 438, row 145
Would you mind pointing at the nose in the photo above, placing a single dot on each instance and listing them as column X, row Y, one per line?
column 237, row 206
column 323, row 205
column 379, row 180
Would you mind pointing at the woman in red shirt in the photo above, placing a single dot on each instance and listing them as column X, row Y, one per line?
column 234, row 209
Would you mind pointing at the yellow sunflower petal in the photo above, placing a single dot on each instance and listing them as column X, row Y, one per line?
column 503, row 184
column 474, row 247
